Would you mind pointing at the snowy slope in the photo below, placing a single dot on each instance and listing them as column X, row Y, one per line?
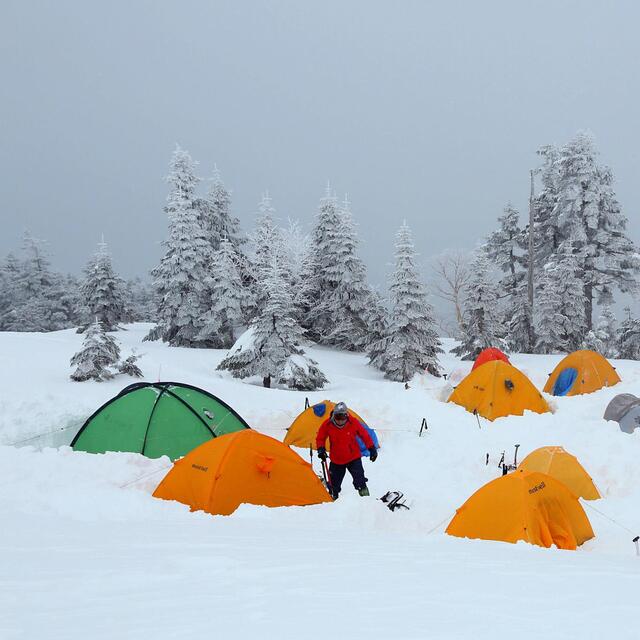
column 86, row 551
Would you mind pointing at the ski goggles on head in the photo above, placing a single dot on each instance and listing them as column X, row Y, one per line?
column 340, row 417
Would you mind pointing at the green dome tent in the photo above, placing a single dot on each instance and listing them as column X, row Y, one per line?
column 157, row 419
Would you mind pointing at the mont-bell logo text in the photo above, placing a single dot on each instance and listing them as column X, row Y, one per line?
column 199, row 467
column 538, row 487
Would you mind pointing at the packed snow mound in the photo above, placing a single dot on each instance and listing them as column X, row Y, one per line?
column 84, row 529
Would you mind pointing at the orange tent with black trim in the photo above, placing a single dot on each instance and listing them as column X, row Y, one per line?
column 498, row 389
column 561, row 465
column 303, row 430
column 524, row 505
column 580, row 372
column 241, row 467
column 488, row 355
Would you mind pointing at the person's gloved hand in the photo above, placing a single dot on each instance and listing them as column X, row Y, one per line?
column 373, row 454
column 322, row 453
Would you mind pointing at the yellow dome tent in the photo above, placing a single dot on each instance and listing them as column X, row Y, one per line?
column 581, row 372
column 241, row 467
column 303, row 430
column 498, row 389
column 561, row 465
column 523, row 505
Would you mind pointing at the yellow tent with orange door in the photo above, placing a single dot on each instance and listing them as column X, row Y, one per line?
column 580, row 372
column 524, row 505
column 303, row 430
column 241, row 467
column 562, row 466
column 498, row 389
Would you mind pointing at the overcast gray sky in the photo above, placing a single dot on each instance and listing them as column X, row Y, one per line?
column 420, row 110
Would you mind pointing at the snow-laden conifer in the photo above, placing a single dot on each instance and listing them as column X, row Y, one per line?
column 628, row 343
column 412, row 343
column 129, row 366
column 603, row 337
column 98, row 356
column 271, row 347
column 180, row 280
column 505, row 248
column 226, row 299
column 592, row 223
column 215, row 215
column 41, row 299
column 482, row 325
column 103, row 292
column 561, row 311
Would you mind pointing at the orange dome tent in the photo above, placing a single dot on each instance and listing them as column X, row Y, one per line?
column 242, row 467
column 303, row 430
column 561, row 465
column 523, row 505
column 487, row 355
column 498, row 389
column 581, row 372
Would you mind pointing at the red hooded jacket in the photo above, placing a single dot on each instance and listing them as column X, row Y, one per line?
column 344, row 446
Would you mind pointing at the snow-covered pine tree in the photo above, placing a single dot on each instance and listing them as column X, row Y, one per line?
column 602, row 338
column 41, row 300
column 129, row 366
column 271, row 347
column 412, row 342
column 351, row 299
column 506, row 249
column 547, row 234
column 628, row 343
column 299, row 265
column 320, row 314
column 227, row 299
column 141, row 306
column 482, row 326
column 215, row 214
column 378, row 337
column 98, row 355
column 591, row 220
column 103, row 292
column 8, row 291
column 560, row 306
column 180, row 280
column 265, row 243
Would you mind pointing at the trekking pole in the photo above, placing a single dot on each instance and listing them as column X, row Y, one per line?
column 306, row 404
column 327, row 477
column 515, row 457
column 423, row 426
column 637, row 547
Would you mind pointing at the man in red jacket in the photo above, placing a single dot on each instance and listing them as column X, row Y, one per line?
column 342, row 429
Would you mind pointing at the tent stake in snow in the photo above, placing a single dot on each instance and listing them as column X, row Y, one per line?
column 423, row 426
column 475, row 413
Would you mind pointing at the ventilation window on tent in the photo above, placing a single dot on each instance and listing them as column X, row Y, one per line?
column 320, row 409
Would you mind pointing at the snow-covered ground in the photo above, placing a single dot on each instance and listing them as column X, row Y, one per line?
column 86, row 552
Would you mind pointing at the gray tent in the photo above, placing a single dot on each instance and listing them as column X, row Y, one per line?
column 625, row 410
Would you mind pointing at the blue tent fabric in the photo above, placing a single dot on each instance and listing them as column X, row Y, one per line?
column 363, row 450
column 565, row 381
column 320, row 409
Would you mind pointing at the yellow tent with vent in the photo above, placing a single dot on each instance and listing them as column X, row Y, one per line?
column 303, row 430
column 524, row 505
column 241, row 467
column 562, row 466
column 498, row 389
column 580, row 372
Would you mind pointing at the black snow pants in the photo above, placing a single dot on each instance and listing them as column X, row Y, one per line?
column 337, row 471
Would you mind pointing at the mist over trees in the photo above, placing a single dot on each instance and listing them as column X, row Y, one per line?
column 542, row 282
